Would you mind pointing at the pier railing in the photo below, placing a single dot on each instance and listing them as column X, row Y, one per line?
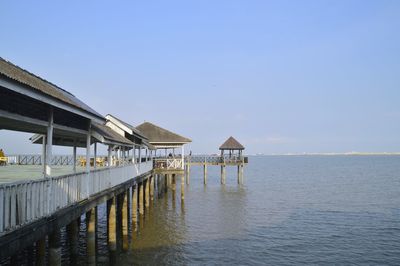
column 168, row 163
column 34, row 159
column 215, row 159
column 26, row 201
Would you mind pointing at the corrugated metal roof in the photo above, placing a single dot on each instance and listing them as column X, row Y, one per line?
column 156, row 134
column 39, row 84
column 110, row 134
column 134, row 129
column 231, row 144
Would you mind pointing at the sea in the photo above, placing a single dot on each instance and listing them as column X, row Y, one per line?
column 290, row 210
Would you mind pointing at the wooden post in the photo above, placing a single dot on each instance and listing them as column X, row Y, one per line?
column 182, row 187
column 134, row 207
column 165, row 183
column 73, row 235
column 95, row 155
column 223, row 174
column 238, row 174
column 125, row 217
column 55, row 247
column 173, row 182
column 151, row 188
column 74, row 156
column 147, row 192
column 205, row 173
column 188, row 172
column 109, row 158
column 43, row 155
column 111, row 222
column 183, row 158
column 41, row 252
column 91, row 224
column 88, row 137
column 141, row 205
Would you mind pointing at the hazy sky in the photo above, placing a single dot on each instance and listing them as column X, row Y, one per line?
column 280, row 76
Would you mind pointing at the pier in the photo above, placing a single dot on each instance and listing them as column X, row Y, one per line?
column 142, row 163
column 33, row 211
column 231, row 155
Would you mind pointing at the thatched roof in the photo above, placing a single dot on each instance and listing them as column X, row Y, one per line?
column 15, row 73
column 158, row 135
column 231, row 144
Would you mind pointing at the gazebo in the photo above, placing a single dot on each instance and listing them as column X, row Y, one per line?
column 233, row 146
column 163, row 139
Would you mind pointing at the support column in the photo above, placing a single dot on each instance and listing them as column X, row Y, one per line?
column 87, row 183
column 91, row 224
column 74, row 156
column 125, row 217
column 73, row 235
column 205, row 173
column 109, row 158
column 49, row 145
column 173, row 182
column 223, row 174
column 182, row 187
column 112, row 225
column 95, row 156
column 134, row 207
column 141, row 205
column 41, row 252
column 147, row 192
column 151, row 188
column 55, row 247
column 166, row 183
column 44, row 159
column 188, row 173
column 238, row 174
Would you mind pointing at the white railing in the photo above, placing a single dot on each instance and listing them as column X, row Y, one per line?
column 26, row 201
column 168, row 163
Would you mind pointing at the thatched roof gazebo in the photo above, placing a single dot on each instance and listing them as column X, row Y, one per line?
column 231, row 145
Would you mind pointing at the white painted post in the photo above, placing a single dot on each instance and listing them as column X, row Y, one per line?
column 134, row 155
column 109, row 156
column 95, row 155
column 49, row 145
column 74, row 157
column 140, row 156
column 44, row 155
column 183, row 157
column 88, row 137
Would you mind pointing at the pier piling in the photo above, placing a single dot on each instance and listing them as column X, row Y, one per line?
column 55, row 248
column 91, row 224
column 41, row 252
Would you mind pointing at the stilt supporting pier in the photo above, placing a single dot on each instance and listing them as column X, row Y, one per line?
column 182, row 187
column 205, row 173
column 141, row 205
column 73, row 235
column 112, row 229
column 125, row 217
column 91, row 223
column 188, row 173
column 223, row 174
column 134, row 207
column 55, row 248
column 147, row 193
column 41, row 252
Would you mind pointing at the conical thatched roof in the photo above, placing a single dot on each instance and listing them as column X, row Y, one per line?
column 156, row 134
column 231, row 144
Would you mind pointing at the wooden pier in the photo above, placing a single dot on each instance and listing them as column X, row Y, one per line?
column 234, row 157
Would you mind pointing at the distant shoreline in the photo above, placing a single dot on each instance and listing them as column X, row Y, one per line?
column 334, row 154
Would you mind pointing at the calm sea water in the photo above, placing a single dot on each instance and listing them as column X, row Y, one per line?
column 298, row 210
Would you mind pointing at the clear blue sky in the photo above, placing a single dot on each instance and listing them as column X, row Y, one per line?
column 280, row 76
